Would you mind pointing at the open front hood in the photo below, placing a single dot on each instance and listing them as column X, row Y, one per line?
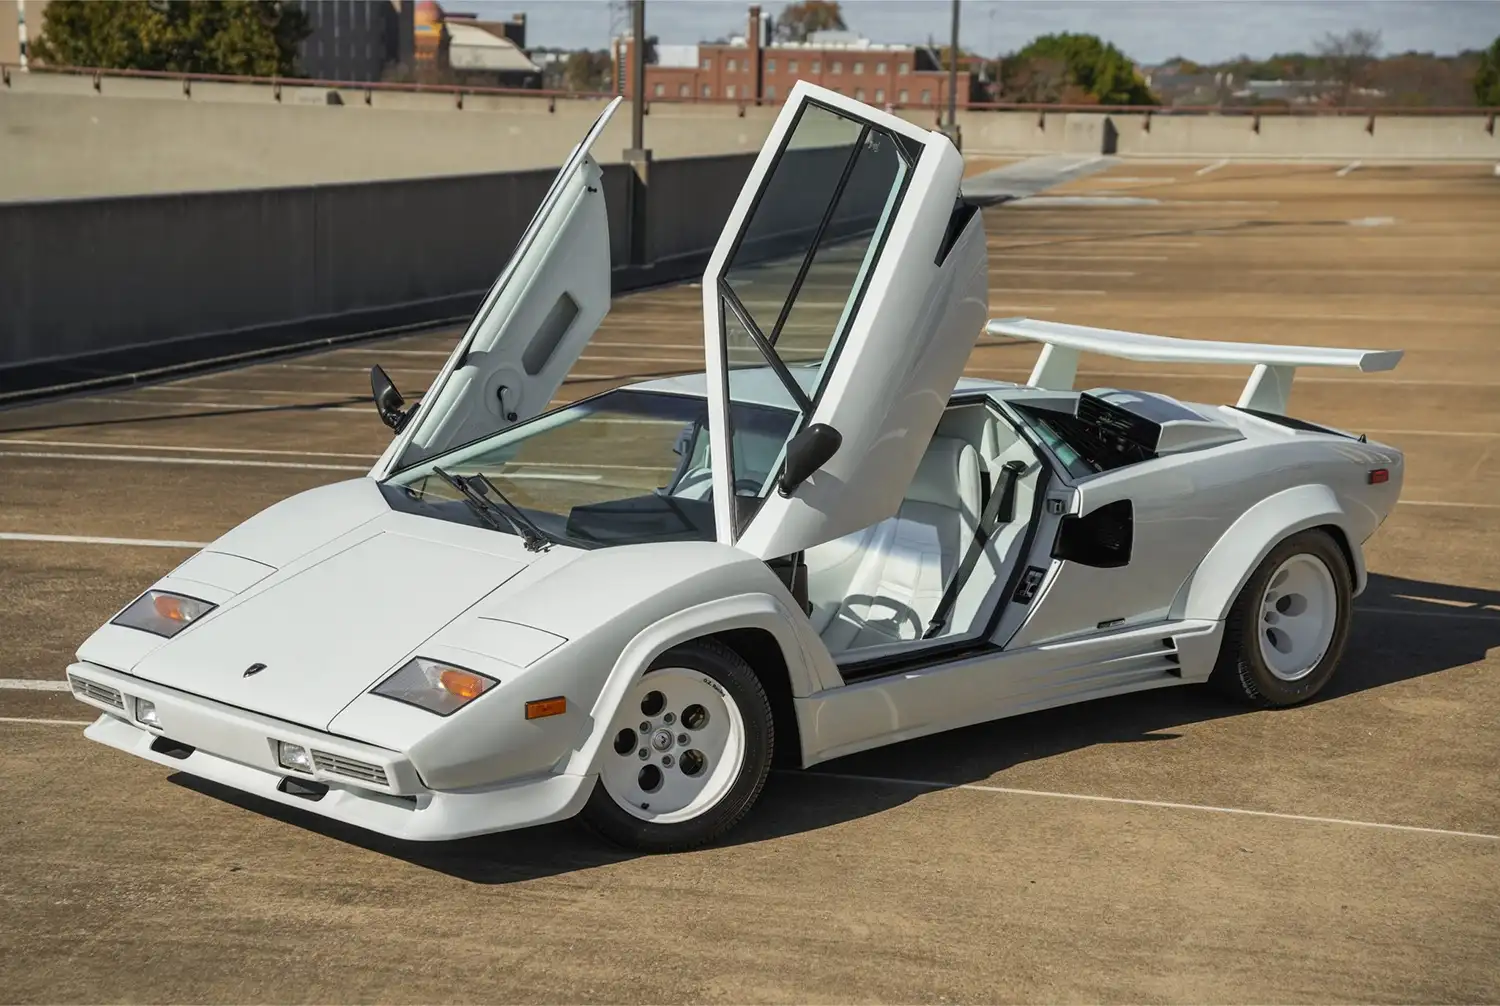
column 336, row 616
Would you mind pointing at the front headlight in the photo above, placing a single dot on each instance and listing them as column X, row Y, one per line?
column 437, row 687
column 162, row 613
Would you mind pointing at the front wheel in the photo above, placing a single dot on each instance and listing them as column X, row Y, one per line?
column 687, row 754
column 1287, row 629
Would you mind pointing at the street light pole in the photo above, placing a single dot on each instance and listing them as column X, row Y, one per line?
column 638, row 76
column 638, row 157
column 953, row 51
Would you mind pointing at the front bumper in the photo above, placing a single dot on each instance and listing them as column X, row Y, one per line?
column 368, row 787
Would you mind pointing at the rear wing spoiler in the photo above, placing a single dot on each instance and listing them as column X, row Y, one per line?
column 1267, row 390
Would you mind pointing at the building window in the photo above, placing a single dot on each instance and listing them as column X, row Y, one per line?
column 816, row 66
column 880, row 69
column 859, row 94
column 708, row 64
column 836, row 67
column 880, row 94
column 659, row 90
column 926, row 97
column 682, row 90
column 901, row 68
column 904, row 96
column 770, row 92
column 708, row 92
column 859, row 68
column 730, row 66
column 791, row 65
column 729, row 91
column 770, row 66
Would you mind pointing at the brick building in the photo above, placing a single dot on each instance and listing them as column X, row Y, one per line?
column 755, row 69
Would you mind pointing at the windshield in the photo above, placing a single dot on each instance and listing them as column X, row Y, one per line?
column 625, row 467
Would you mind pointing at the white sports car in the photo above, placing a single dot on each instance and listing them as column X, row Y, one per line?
column 623, row 608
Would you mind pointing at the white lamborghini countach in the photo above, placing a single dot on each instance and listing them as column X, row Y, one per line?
column 622, row 608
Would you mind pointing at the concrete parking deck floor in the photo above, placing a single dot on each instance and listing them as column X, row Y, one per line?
column 1161, row 847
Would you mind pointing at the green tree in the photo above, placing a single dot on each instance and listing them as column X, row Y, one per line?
column 1487, row 77
column 588, row 71
column 1071, row 67
column 799, row 20
column 248, row 37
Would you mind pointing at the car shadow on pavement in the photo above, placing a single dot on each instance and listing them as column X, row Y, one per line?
column 1394, row 638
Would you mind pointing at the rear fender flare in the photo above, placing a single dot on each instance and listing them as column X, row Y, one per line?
column 743, row 611
column 1213, row 586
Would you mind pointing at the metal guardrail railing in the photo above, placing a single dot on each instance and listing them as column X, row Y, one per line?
column 459, row 91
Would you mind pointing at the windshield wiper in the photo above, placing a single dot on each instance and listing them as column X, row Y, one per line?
column 539, row 537
column 531, row 536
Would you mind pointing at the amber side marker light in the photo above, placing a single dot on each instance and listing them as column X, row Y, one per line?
column 537, row 708
column 1379, row 475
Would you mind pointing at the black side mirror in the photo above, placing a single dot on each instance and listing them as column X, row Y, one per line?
column 388, row 400
column 808, row 451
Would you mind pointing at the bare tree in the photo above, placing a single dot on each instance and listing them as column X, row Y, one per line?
column 1347, row 58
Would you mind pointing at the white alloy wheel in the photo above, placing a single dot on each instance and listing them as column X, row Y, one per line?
column 676, row 747
column 1298, row 615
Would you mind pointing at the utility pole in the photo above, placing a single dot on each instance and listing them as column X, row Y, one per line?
column 638, row 157
column 638, row 75
column 953, row 52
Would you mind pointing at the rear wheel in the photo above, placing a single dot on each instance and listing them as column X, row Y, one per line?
column 687, row 754
column 1287, row 629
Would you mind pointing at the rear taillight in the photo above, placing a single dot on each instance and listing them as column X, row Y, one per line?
column 1378, row 475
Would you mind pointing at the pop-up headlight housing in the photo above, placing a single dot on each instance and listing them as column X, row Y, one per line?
column 435, row 686
column 162, row 613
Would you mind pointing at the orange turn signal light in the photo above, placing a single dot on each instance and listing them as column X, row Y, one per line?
column 169, row 607
column 537, row 708
column 461, row 683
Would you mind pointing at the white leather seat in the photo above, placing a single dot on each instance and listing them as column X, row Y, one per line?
column 882, row 584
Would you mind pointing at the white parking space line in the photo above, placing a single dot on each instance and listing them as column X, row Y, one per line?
column 176, row 447
column 1344, row 171
column 236, row 406
column 81, row 539
column 1008, row 270
column 1432, row 433
column 1158, row 804
column 183, row 388
column 1210, row 169
column 33, row 685
column 44, row 722
column 161, row 459
column 1450, row 503
column 1471, row 616
column 1069, row 257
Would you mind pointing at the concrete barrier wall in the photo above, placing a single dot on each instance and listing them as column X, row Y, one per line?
column 59, row 139
column 1392, row 137
column 91, row 276
column 81, row 145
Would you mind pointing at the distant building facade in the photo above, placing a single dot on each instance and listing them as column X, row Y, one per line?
column 755, row 69
column 490, row 53
column 356, row 39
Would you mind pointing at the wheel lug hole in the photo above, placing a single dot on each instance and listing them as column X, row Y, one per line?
column 666, row 761
column 669, row 719
column 683, row 739
column 643, row 753
column 645, row 727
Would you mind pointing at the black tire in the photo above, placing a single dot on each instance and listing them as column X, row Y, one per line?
column 726, row 667
column 1241, row 671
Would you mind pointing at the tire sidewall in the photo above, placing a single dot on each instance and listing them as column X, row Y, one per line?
column 1252, row 662
column 730, row 672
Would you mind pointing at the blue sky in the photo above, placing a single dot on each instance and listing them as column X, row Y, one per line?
column 1148, row 30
